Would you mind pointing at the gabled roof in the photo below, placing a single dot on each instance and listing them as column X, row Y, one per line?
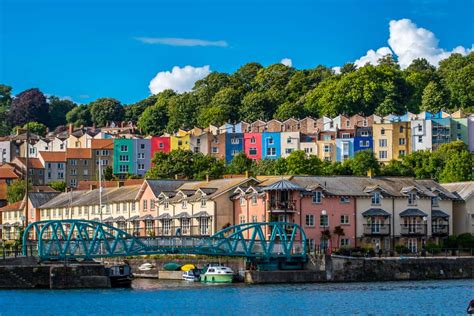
column 409, row 212
column 39, row 198
column 465, row 190
column 283, row 185
column 7, row 173
column 53, row 156
column 375, row 212
column 159, row 186
column 78, row 153
column 102, row 144
column 33, row 163
column 12, row 207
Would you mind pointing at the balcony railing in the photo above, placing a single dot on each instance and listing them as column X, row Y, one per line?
column 376, row 229
column 440, row 230
column 282, row 205
column 413, row 229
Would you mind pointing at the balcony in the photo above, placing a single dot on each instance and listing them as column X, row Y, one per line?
column 440, row 230
column 376, row 229
column 413, row 229
column 282, row 206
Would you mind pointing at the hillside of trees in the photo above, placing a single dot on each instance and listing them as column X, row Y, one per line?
column 256, row 92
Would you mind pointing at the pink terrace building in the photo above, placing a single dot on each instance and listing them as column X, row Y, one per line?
column 253, row 145
column 301, row 200
column 160, row 144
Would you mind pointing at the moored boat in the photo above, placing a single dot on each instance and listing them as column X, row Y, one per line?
column 217, row 274
column 192, row 275
column 120, row 275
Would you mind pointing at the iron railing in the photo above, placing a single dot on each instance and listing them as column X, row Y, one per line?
column 376, row 229
column 413, row 229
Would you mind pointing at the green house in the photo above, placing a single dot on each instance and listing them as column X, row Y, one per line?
column 459, row 130
column 123, row 156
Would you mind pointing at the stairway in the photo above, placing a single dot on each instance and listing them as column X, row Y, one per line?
column 24, row 283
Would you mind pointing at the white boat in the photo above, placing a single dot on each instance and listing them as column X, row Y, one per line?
column 146, row 267
column 218, row 274
column 191, row 275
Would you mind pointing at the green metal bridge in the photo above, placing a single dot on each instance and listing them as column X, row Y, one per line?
column 274, row 242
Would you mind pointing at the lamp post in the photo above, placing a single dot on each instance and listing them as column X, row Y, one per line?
column 326, row 227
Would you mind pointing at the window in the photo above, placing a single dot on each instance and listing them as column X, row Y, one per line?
column 346, row 135
column 254, row 199
column 323, row 220
column 401, row 141
column 459, row 137
column 180, row 142
column 184, row 204
column 270, row 141
column 85, row 172
column 317, row 197
column 242, row 201
column 411, row 198
column 271, row 151
column 420, row 139
column 327, row 148
column 288, row 140
column 235, row 152
column 344, row 199
column 348, row 123
column 382, row 154
column 145, row 204
column 401, row 153
column 166, row 205
column 309, row 220
column 215, row 150
column 152, row 204
column 252, row 140
column 49, row 165
column 49, row 174
column 234, row 141
column 434, row 201
column 242, row 219
column 364, row 134
column 254, row 218
column 141, row 166
column 105, row 152
column 401, row 129
column 60, row 175
column 345, row 242
column 345, row 219
column 376, row 198
column 72, row 182
column 142, row 146
column 123, row 158
column 252, row 151
column 161, row 145
column 327, row 137
column 420, row 128
column 308, row 150
column 73, row 162
column 123, row 148
column 365, row 123
column 289, row 150
column 123, row 168
column 364, row 143
column 60, row 166
column 141, row 156
column 203, row 202
column 382, row 131
column 85, row 162
column 73, row 172
column 382, row 142
column 458, row 126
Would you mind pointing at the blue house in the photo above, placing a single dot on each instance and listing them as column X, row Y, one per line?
column 234, row 144
column 363, row 139
column 344, row 148
column 271, row 145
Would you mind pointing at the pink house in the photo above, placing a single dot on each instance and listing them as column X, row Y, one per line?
column 253, row 145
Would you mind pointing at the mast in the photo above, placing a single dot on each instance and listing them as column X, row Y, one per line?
column 100, row 187
column 27, row 176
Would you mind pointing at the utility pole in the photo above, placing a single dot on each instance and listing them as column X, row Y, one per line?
column 27, row 176
column 100, row 187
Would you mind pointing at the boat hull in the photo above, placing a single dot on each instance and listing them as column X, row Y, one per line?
column 217, row 278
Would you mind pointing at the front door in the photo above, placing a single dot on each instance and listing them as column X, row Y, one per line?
column 412, row 245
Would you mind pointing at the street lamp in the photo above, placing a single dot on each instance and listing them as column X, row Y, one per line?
column 326, row 227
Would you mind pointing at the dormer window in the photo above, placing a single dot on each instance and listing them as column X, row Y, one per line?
column 434, row 201
column 317, row 196
column 254, row 199
column 242, row 200
column 184, row 204
column 376, row 198
column 166, row 205
column 411, row 198
column 203, row 203
column 382, row 131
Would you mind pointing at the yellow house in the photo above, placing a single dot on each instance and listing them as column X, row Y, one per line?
column 181, row 140
column 326, row 146
column 391, row 140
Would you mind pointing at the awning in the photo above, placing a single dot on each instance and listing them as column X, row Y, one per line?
column 133, row 218
column 283, row 185
column 281, row 211
column 109, row 219
column 182, row 215
column 146, row 218
column 6, row 225
column 439, row 214
column 375, row 212
column 411, row 212
column 201, row 214
column 163, row 216
column 119, row 219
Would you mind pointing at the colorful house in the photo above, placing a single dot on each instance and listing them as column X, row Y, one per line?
column 271, row 145
column 234, row 144
column 421, row 137
column 363, row 139
column 180, row 140
column 141, row 155
column 441, row 131
column 327, row 145
column 160, row 144
column 391, row 140
column 345, row 144
column 253, row 145
column 123, row 157
column 290, row 141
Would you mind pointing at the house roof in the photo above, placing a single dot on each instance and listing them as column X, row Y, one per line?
column 78, row 153
column 439, row 214
column 12, row 207
column 283, row 185
column 220, row 185
column 465, row 190
column 39, row 198
column 375, row 212
column 413, row 212
column 86, row 184
column 53, row 156
column 158, row 186
column 33, row 163
column 7, row 173
column 102, row 144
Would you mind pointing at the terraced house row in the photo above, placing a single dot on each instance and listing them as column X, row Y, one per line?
column 74, row 155
column 333, row 211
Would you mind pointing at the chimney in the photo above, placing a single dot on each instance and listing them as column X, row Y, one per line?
column 71, row 128
column 207, row 178
column 176, row 177
column 370, row 173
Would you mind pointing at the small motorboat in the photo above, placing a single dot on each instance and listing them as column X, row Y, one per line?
column 120, row 275
column 217, row 274
column 188, row 267
column 146, row 267
column 192, row 275
column 172, row 266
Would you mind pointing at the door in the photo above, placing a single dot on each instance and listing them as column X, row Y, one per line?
column 376, row 223
column 412, row 245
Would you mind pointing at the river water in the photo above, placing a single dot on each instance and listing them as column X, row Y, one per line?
column 152, row 297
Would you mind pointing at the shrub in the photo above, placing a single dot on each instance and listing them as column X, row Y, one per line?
column 465, row 240
column 432, row 248
column 401, row 249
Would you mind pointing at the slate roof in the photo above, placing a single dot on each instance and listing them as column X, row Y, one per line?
column 283, row 185
column 158, row 186
column 39, row 198
column 375, row 212
column 439, row 214
column 412, row 212
column 464, row 190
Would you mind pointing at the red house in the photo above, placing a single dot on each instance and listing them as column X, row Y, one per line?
column 253, row 145
column 159, row 144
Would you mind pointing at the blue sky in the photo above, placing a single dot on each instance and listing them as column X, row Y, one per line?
column 89, row 49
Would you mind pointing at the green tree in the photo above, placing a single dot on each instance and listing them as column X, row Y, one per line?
column 58, row 186
column 265, row 167
column 458, row 167
column 5, row 101
column 35, row 128
column 182, row 111
column 364, row 161
column 154, row 119
column 16, row 191
column 240, row 164
column 257, row 105
column 58, row 109
column 435, row 98
column 134, row 111
column 290, row 110
column 418, row 75
column 106, row 109
column 109, row 174
column 80, row 115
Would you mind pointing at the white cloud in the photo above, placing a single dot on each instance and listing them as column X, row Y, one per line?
column 337, row 70
column 409, row 42
column 178, row 79
column 373, row 56
column 287, row 62
column 174, row 41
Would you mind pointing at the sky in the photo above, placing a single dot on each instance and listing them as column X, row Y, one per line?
column 128, row 49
